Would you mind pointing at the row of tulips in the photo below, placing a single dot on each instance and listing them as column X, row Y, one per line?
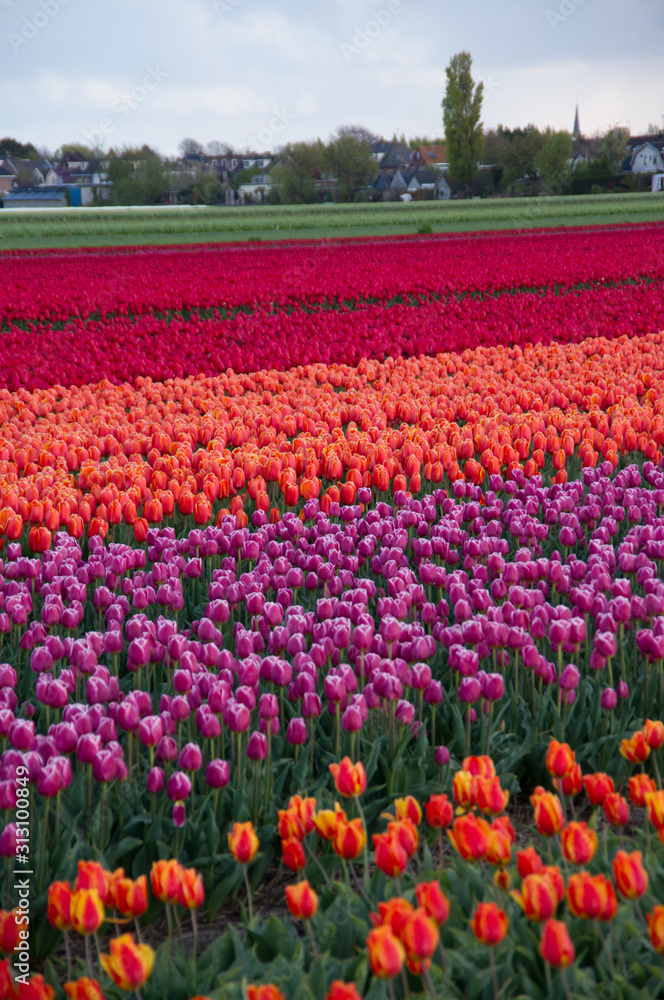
column 117, row 459
column 51, row 286
column 407, row 929
column 122, row 348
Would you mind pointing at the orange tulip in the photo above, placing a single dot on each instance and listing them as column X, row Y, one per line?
column 325, row 822
column 654, row 803
column 131, row 898
column 350, row 839
column 556, row 946
column 464, row 789
column 616, row 809
column 350, row 779
column 635, row 749
column 538, row 897
column 243, row 842
column 656, row 928
column 342, row 991
column 479, row 767
column 406, row 833
column 549, row 818
column 579, row 843
column 302, row 900
column 91, row 875
column 639, row 786
column 491, row 798
column 499, row 849
column 8, row 989
column 293, row 854
column 439, row 811
column 591, row 896
column 470, row 836
column 653, row 733
column 408, row 808
column 86, row 911
column 528, row 862
column 58, row 905
column 630, row 875
column 433, row 901
column 129, row 964
column 394, row 913
column 420, row 935
column 268, row 991
column 489, row 924
column 84, row 989
column 598, row 787
column 386, row 952
column 165, row 880
column 559, row 759
column 9, row 931
column 572, row 783
column 35, row 989
column 191, row 893
column 390, row 856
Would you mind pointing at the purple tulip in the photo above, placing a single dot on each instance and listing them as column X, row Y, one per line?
column 257, row 746
column 179, row 814
column 405, row 712
column 8, row 841
column 609, row 699
column 470, row 690
column 178, row 786
column 191, row 758
column 494, row 687
column 155, row 781
column 296, row 733
column 150, row 730
column 569, row 678
column 622, row 690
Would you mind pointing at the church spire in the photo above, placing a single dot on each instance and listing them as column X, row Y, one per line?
column 577, row 129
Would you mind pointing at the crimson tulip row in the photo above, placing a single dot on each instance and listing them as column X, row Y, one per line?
column 54, row 287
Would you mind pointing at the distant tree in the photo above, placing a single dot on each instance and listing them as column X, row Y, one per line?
column 358, row 132
column 75, row 147
column 206, row 190
column 462, row 109
column 189, row 145
column 552, row 161
column 296, row 170
column 614, row 145
column 137, row 180
column 653, row 129
column 23, row 150
column 351, row 163
column 217, row 148
column 422, row 140
column 519, row 152
column 400, row 139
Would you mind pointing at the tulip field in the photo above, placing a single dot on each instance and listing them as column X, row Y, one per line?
column 332, row 619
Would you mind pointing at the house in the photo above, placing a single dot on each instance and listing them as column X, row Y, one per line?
column 7, row 179
column 432, row 156
column 85, row 178
column 40, row 198
column 391, row 155
column 646, row 154
column 657, row 182
column 585, row 151
column 259, row 187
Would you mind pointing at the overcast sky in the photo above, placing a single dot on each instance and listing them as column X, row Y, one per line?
column 253, row 73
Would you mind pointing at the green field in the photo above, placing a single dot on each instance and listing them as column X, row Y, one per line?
column 103, row 227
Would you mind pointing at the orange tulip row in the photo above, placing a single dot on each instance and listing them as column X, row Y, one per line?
column 103, row 455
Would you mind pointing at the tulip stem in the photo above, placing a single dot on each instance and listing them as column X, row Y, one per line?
column 565, row 984
column 88, row 957
column 494, row 974
column 248, row 885
column 68, row 954
column 467, row 731
column 312, row 938
column 433, row 725
column 194, row 947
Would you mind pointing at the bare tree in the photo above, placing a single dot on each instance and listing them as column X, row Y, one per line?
column 188, row 145
column 218, row 148
column 358, row 132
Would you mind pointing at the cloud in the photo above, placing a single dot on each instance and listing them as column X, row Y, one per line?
column 231, row 63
